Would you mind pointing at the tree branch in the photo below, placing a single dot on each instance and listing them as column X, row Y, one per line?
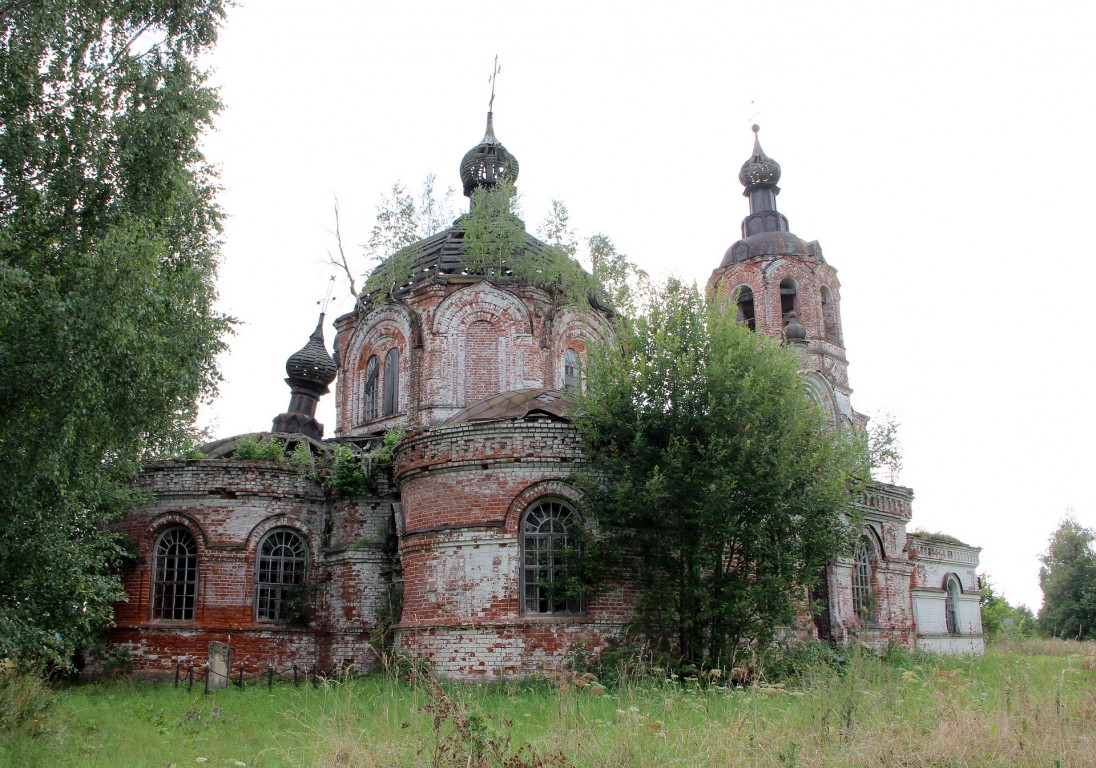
column 341, row 262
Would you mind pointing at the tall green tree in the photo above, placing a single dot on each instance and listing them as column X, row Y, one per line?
column 713, row 483
column 108, row 250
column 1068, row 581
column 999, row 617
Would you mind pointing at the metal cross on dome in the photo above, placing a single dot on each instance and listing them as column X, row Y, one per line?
column 327, row 299
column 491, row 80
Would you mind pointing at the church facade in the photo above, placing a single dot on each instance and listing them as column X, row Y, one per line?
column 449, row 551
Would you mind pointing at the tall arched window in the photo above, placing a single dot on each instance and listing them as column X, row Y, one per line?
column 371, row 385
column 280, row 570
column 829, row 316
column 174, row 576
column 745, row 300
column 788, row 300
column 572, row 371
column 862, row 602
column 951, row 604
column 548, row 551
column 391, row 382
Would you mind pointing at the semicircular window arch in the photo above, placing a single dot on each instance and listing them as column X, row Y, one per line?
column 175, row 575
column 281, row 569
column 549, row 548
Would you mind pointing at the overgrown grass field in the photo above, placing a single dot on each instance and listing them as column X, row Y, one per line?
column 1026, row 704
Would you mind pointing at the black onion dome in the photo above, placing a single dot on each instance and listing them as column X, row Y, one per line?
column 312, row 361
column 487, row 162
column 760, row 168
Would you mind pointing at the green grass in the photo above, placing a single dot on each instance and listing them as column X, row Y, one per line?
column 1017, row 706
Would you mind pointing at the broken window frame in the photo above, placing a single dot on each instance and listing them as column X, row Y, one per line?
column 372, row 382
column 391, row 382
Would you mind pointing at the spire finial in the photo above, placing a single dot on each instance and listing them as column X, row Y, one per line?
column 494, row 76
column 327, row 298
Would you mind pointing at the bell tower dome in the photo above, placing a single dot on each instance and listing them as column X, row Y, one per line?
column 782, row 286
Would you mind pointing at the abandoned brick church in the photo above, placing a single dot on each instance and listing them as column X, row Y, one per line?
column 452, row 548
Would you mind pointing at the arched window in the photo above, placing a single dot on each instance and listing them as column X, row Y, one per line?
column 280, row 570
column 745, row 300
column 829, row 316
column 391, row 382
column 371, row 384
column 572, row 372
column 951, row 604
column 788, row 301
column 862, row 602
column 174, row 576
column 548, row 549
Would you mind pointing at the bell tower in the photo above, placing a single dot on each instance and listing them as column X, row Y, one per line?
column 782, row 286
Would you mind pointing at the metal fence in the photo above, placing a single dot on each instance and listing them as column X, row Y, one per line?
column 241, row 676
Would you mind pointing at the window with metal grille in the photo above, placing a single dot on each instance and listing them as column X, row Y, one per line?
column 548, row 551
column 951, row 605
column 391, row 382
column 861, row 582
column 280, row 574
column 572, row 372
column 174, row 576
column 371, row 384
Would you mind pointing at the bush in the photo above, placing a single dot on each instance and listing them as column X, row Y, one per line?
column 301, row 459
column 346, row 472
column 24, row 700
column 388, row 444
column 795, row 661
column 250, row 449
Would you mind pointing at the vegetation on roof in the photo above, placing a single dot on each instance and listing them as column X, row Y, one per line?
column 941, row 538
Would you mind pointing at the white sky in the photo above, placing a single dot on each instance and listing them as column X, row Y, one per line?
column 941, row 153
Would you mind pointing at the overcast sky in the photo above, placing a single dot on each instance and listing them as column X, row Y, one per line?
column 940, row 152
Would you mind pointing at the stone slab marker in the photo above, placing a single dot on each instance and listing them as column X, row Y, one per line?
column 219, row 659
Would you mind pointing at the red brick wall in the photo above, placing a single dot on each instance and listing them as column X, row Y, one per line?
column 463, row 490
column 461, row 341
column 228, row 507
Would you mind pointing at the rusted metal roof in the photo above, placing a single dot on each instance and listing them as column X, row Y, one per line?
column 518, row 404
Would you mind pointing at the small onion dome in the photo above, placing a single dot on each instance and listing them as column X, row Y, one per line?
column 760, row 168
column 312, row 362
column 794, row 330
column 487, row 162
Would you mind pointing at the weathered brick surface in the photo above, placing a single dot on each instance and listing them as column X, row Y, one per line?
column 500, row 649
column 229, row 507
column 825, row 348
column 459, row 342
column 464, row 489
